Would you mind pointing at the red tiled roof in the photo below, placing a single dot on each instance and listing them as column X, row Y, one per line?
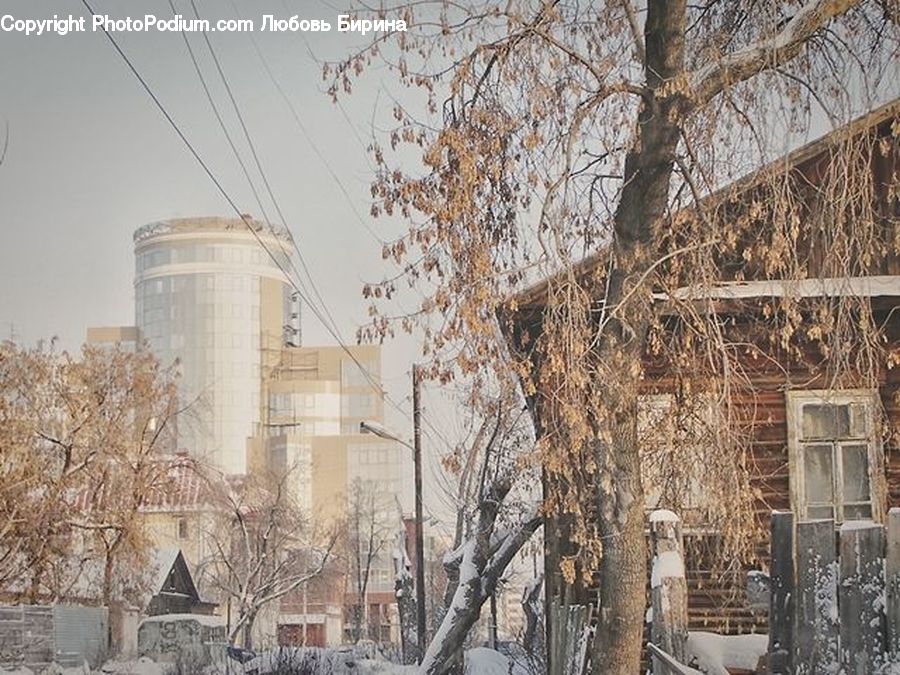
column 185, row 486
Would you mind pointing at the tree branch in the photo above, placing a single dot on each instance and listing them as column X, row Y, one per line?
column 780, row 48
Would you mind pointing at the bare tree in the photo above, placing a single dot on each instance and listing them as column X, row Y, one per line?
column 573, row 129
column 476, row 568
column 368, row 535
column 263, row 547
column 498, row 513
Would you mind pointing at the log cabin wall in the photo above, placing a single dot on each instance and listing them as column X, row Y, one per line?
column 717, row 596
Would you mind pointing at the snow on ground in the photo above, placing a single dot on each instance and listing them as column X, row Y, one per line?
column 310, row 661
column 316, row 660
column 715, row 653
column 484, row 661
column 142, row 666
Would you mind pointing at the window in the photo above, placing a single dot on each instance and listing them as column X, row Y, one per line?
column 834, row 454
column 675, row 436
column 183, row 528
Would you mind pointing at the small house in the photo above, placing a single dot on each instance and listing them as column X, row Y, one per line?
column 818, row 442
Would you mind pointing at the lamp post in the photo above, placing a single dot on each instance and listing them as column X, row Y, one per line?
column 416, row 447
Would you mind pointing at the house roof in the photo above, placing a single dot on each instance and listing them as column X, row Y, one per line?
column 168, row 561
column 534, row 296
column 188, row 489
column 184, row 485
column 163, row 561
column 857, row 287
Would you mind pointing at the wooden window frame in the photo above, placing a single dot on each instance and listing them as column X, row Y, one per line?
column 875, row 456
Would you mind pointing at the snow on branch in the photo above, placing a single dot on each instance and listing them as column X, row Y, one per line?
column 741, row 65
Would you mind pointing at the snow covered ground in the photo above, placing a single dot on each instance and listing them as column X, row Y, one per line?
column 308, row 661
column 715, row 653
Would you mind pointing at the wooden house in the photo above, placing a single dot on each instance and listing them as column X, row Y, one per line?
column 822, row 445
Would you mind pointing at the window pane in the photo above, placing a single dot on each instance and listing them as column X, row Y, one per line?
column 855, row 464
column 857, row 421
column 858, row 512
column 818, row 471
column 820, row 513
column 829, row 421
column 841, row 421
column 818, row 421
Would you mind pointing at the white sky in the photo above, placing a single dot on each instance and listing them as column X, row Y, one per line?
column 90, row 159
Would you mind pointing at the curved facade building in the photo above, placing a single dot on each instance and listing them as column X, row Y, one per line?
column 210, row 298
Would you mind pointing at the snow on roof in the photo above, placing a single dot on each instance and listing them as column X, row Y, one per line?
column 163, row 559
column 858, row 287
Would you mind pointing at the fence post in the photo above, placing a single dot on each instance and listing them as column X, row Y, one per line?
column 668, row 587
column 892, row 577
column 815, row 639
column 781, row 598
column 861, row 594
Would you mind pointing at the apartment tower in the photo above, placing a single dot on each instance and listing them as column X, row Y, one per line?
column 211, row 294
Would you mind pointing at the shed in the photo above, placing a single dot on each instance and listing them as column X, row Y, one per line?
column 174, row 591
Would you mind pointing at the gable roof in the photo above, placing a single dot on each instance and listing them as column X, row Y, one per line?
column 533, row 297
column 172, row 574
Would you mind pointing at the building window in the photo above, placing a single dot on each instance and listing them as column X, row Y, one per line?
column 834, row 454
column 183, row 528
column 674, row 437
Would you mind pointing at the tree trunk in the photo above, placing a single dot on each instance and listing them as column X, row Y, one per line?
column 248, row 632
column 644, row 200
column 108, row 566
column 445, row 653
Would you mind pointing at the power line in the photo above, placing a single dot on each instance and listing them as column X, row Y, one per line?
column 262, row 173
column 223, row 192
column 221, row 122
column 336, row 332
column 311, row 141
column 242, row 216
column 337, row 180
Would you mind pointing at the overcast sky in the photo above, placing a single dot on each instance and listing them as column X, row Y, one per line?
column 90, row 159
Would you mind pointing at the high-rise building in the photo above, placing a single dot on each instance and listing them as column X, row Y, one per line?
column 209, row 295
column 316, row 399
column 212, row 297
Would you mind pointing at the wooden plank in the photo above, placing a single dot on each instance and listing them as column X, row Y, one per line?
column 892, row 578
column 672, row 665
column 815, row 636
column 668, row 586
column 781, row 599
column 860, row 597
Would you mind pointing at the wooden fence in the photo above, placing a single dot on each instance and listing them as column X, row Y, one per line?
column 835, row 596
column 570, row 634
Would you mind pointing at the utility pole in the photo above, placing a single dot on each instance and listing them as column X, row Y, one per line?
column 420, row 538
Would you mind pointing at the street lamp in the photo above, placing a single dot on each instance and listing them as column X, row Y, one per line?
column 368, row 426
column 378, row 429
